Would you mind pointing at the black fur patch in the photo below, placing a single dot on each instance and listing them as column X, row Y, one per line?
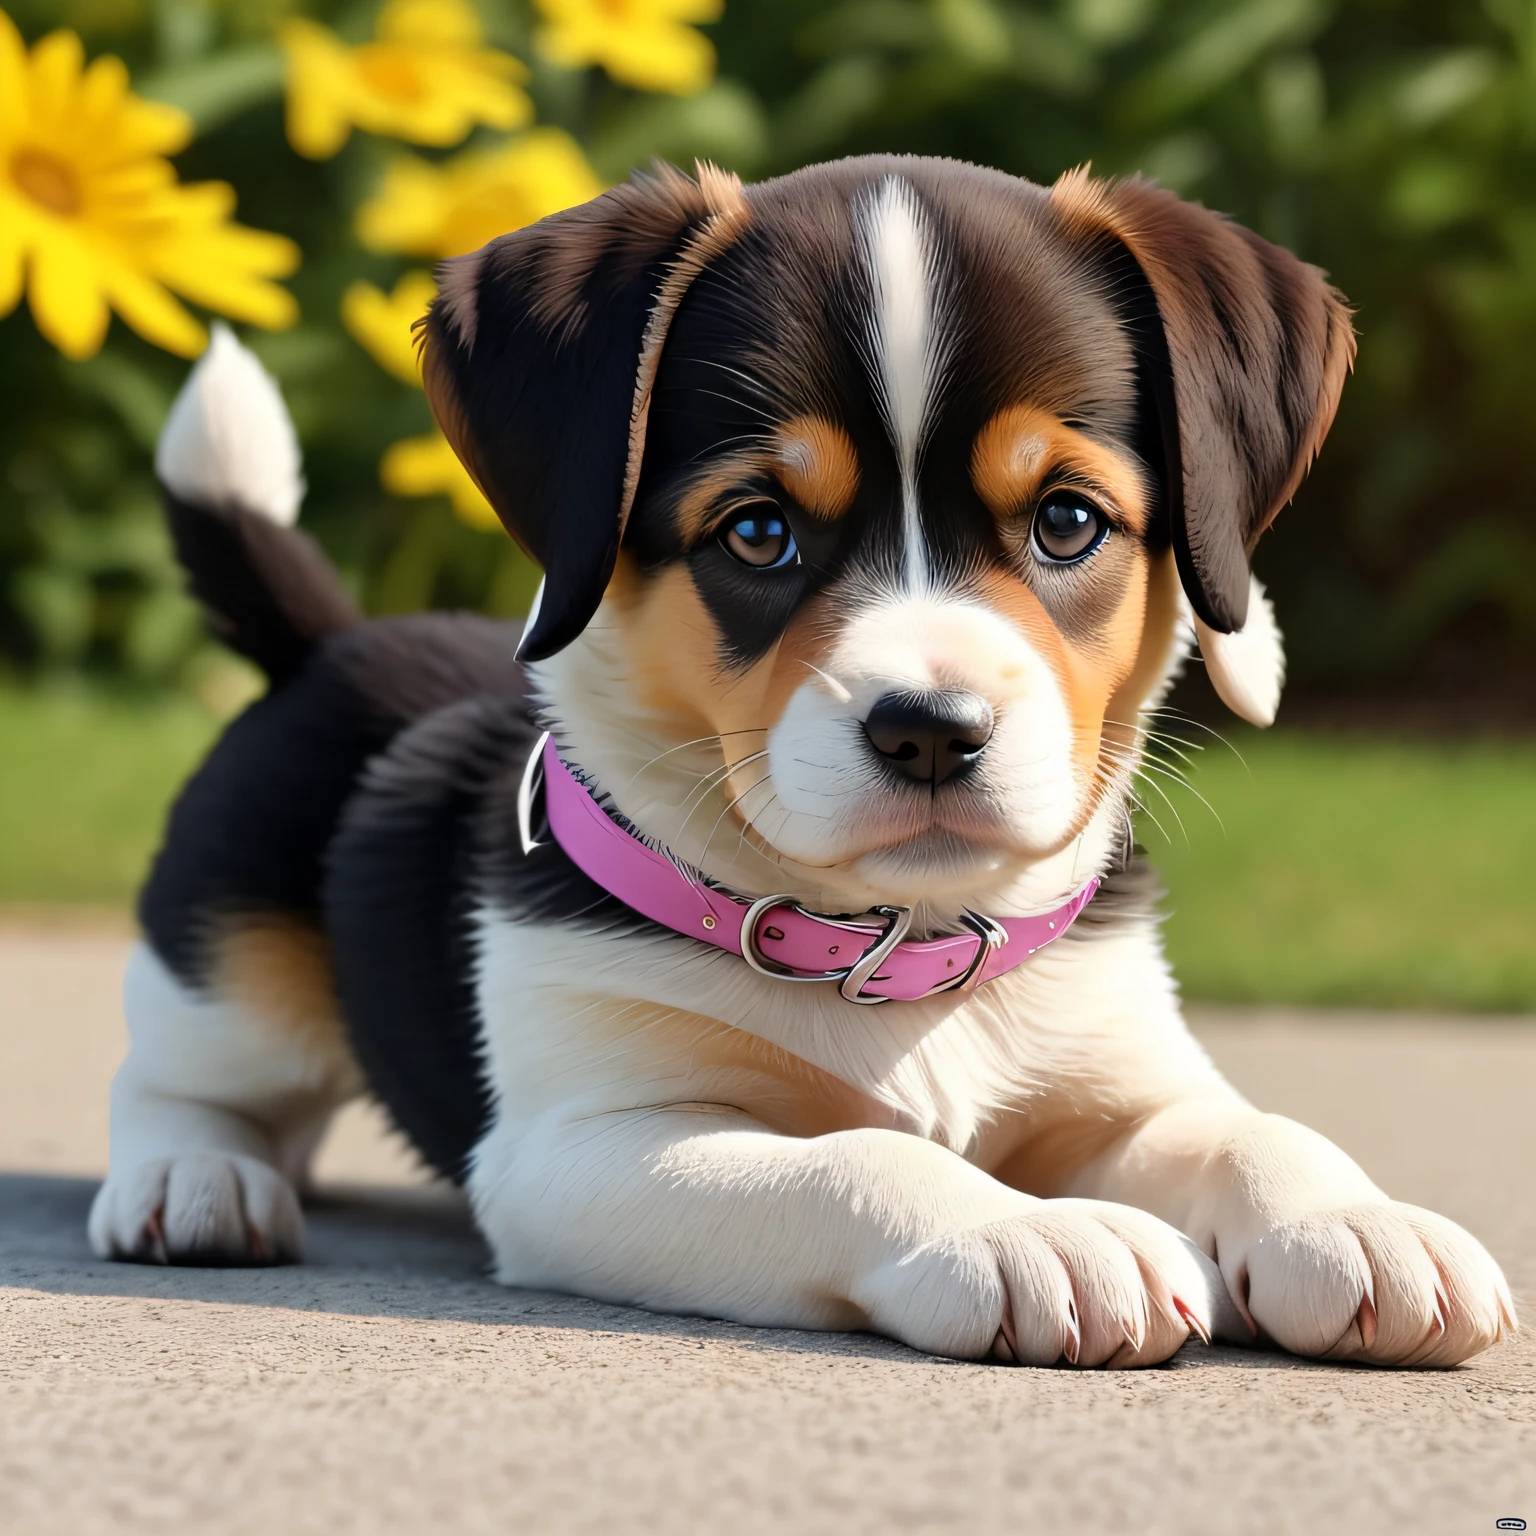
column 399, row 899
column 430, row 837
column 250, row 829
column 268, row 591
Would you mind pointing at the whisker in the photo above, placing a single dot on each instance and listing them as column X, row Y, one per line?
column 716, row 778
column 1184, row 719
column 697, row 741
column 1135, row 799
column 767, row 774
column 841, row 693
column 1163, row 738
column 1136, row 772
column 1143, row 768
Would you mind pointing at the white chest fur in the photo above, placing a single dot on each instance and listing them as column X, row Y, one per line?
column 594, row 1022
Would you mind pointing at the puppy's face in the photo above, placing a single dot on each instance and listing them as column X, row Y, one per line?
column 897, row 572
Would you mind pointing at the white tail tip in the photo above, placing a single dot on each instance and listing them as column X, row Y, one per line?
column 228, row 440
column 1247, row 669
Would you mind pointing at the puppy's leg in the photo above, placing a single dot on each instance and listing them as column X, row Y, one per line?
column 1314, row 1253
column 220, row 1102
column 700, row 1209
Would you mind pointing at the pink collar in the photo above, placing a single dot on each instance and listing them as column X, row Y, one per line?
column 867, row 955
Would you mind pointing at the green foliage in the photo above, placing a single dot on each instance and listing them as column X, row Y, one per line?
column 1391, row 141
column 1373, row 874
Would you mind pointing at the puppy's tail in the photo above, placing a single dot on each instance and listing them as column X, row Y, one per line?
column 229, row 464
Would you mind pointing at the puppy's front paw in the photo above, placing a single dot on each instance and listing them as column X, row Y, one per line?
column 198, row 1208
column 1390, row 1284
column 1080, row 1282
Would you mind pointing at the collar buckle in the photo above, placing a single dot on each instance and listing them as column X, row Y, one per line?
column 850, row 978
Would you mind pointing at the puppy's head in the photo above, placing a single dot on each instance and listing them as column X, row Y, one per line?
column 870, row 499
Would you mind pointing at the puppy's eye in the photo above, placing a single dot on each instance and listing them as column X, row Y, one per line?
column 761, row 538
column 1068, row 527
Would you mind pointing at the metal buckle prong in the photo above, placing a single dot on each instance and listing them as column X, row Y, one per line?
column 899, row 920
column 992, row 935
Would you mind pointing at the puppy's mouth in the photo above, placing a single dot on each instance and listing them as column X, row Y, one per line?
column 953, row 831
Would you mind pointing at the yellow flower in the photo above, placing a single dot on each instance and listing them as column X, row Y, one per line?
column 426, row 78
column 427, row 466
column 446, row 210
column 93, row 219
column 381, row 322
column 416, row 466
column 644, row 43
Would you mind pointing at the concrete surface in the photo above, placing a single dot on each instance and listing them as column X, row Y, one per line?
column 386, row 1386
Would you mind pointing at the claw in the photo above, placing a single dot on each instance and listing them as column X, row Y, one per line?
column 1507, row 1308
column 1073, row 1346
column 1442, row 1306
column 152, row 1238
column 1008, row 1336
column 1365, row 1318
column 1192, row 1320
column 1134, row 1331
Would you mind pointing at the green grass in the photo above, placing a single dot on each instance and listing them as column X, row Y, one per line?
column 1376, row 874
column 1344, row 872
column 85, row 781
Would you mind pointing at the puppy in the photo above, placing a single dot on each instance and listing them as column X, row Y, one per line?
column 803, row 975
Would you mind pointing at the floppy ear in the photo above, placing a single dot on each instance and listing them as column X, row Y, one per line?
column 539, row 356
column 1242, row 352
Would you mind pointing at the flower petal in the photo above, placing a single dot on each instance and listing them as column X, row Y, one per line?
column 407, row 213
column 56, row 62
column 65, row 292
column 152, row 312
column 673, row 59
column 319, row 88
column 440, row 23
column 382, row 323
column 427, row 466
column 13, row 80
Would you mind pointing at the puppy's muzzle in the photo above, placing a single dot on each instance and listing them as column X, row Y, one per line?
column 929, row 737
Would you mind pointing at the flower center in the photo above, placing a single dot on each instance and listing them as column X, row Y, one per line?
column 47, row 180
column 391, row 73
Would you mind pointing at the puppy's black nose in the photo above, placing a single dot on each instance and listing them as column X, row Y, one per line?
column 929, row 737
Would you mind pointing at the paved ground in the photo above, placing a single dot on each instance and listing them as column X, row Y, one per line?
column 386, row 1386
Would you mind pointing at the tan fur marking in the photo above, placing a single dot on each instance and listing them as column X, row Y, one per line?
column 812, row 458
column 1022, row 447
column 1083, row 203
column 815, row 462
column 787, row 1093
column 670, row 645
column 278, row 970
column 1089, row 676
column 702, row 498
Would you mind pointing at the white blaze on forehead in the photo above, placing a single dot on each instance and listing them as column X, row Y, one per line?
column 906, row 337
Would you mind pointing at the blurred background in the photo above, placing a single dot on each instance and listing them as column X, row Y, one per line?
column 297, row 168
